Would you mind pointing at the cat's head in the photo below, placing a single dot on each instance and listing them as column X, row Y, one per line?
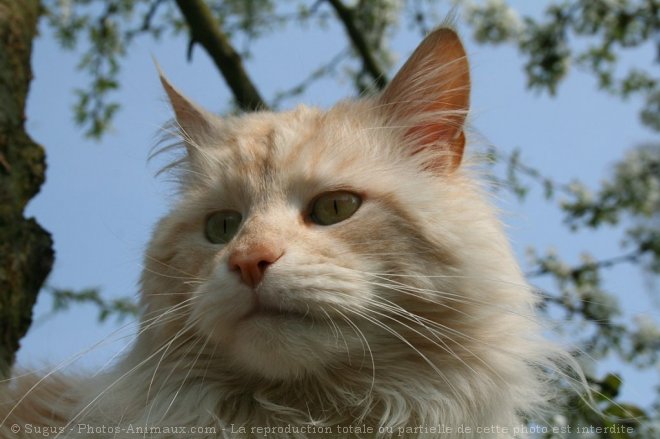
column 355, row 238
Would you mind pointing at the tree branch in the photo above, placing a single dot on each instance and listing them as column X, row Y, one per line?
column 121, row 308
column 147, row 20
column 205, row 30
column 631, row 257
column 346, row 16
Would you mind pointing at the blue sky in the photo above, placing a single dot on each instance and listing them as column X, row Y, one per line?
column 101, row 199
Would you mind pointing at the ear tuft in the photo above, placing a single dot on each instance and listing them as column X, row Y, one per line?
column 430, row 97
column 193, row 121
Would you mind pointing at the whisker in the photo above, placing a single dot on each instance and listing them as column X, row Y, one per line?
column 107, row 388
column 405, row 341
column 60, row 366
column 176, row 394
column 361, row 336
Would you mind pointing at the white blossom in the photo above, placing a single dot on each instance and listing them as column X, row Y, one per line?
column 647, row 330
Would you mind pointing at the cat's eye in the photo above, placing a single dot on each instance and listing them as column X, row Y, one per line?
column 333, row 207
column 222, row 226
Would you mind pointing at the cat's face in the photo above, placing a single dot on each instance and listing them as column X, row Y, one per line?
column 278, row 291
column 310, row 240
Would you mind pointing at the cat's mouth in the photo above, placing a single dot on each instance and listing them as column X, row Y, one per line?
column 263, row 310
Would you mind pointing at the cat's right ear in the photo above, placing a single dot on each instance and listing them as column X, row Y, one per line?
column 195, row 124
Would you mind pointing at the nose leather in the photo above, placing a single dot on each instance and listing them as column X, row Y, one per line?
column 253, row 260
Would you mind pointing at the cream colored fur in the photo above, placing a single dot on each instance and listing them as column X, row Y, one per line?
column 412, row 312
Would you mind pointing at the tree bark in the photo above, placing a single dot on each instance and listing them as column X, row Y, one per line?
column 26, row 253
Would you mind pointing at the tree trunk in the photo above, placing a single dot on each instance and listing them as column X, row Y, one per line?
column 26, row 253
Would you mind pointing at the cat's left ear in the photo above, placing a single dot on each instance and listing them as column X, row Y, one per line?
column 430, row 97
column 195, row 123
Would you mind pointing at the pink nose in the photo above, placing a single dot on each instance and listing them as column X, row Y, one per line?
column 253, row 261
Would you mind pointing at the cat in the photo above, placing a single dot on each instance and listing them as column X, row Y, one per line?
column 334, row 273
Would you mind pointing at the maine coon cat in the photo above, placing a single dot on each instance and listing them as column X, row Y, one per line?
column 336, row 272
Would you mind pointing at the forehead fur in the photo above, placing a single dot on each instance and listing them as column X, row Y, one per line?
column 296, row 154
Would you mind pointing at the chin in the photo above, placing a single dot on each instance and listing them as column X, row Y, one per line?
column 281, row 347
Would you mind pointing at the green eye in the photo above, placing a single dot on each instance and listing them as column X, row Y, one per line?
column 222, row 226
column 334, row 207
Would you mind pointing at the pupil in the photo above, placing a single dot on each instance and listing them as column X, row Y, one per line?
column 224, row 225
column 334, row 204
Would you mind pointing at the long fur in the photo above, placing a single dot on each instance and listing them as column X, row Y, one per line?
column 410, row 315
